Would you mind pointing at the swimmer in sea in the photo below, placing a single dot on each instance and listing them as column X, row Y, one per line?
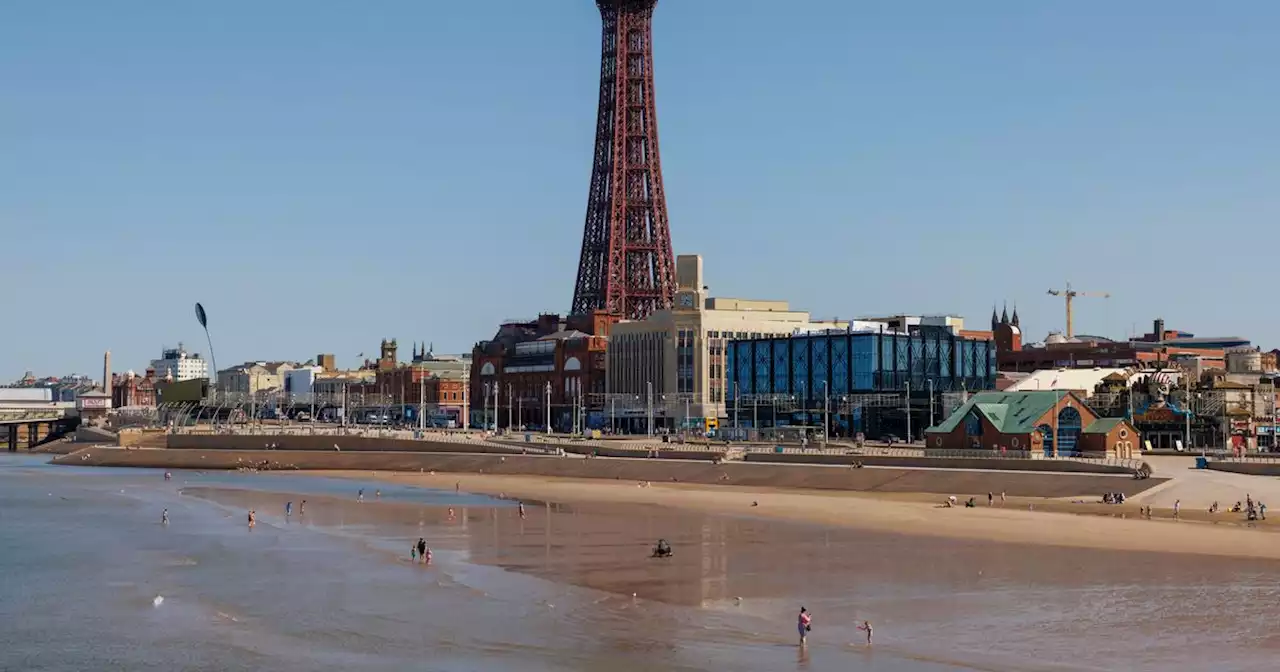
column 377, row 494
column 167, row 475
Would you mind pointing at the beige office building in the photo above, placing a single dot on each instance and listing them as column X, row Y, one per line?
column 681, row 352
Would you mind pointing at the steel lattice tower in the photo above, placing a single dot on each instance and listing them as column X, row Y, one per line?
column 626, row 266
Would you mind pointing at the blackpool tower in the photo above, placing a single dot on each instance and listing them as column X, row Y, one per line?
column 627, row 266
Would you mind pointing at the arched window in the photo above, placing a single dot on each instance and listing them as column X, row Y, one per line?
column 1069, row 426
column 572, row 364
column 973, row 424
column 487, row 369
column 1046, row 432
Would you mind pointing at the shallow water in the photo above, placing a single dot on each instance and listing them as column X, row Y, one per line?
column 85, row 555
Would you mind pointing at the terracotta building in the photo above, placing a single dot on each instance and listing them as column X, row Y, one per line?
column 1037, row 424
column 513, row 373
column 132, row 390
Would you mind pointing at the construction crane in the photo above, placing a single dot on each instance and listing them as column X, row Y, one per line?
column 1070, row 294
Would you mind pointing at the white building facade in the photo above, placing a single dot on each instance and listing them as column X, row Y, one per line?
column 177, row 364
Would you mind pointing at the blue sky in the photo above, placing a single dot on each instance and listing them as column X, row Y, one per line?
column 324, row 174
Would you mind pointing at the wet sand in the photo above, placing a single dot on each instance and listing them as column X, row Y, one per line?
column 1019, row 520
column 973, row 601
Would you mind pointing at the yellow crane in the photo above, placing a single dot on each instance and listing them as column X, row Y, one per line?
column 1070, row 294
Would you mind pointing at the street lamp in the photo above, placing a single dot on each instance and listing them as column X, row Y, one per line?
column 547, row 406
column 826, row 405
column 930, row 402
column 649, row 405
column 509, row 395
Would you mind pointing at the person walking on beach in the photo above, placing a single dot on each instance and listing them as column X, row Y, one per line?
column 804, row 623
column 360, row 495
column 288, row 509
column 422, row 549
column 302, row 507
column 866, row 627
column 1002, row 498
column 164, row 517
column 253, row 518
column 1177, row 508
column 413, row 553
column 521, row 510
column 990, row 499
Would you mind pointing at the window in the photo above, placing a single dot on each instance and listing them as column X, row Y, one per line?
column 973, row 424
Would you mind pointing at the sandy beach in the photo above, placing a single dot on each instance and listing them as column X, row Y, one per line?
column 1018, row 520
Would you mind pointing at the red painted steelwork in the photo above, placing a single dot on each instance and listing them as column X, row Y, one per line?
column 627, row 267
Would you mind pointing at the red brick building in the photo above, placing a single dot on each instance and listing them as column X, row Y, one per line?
column 510, row 373
column 436, row 385
column 131, row 390
column 1039, row 424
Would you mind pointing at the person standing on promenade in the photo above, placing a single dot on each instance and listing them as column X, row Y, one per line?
column 804, row 623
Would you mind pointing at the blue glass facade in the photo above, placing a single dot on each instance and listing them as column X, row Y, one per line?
column 860, row 363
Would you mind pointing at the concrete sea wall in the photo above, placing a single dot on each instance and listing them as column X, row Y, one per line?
column 988, row 464
column 888, row 480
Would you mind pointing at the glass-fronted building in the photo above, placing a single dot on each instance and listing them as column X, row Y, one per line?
column 795, row 377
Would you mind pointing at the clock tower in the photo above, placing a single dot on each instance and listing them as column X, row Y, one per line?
column 690, row 292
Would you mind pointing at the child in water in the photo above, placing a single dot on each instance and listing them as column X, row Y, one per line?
column 866, row 626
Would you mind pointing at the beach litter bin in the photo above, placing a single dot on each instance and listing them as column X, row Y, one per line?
column 777, row 449
column 1202, row 462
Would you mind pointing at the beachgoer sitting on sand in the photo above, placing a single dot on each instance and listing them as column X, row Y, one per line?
column 1213, row 508
column 969, row 504
column 662, row 549
column 1237, row 508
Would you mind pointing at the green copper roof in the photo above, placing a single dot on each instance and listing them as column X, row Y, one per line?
column 1102, row 425
column 1008, row 412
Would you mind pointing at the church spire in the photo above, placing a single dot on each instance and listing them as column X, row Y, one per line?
column 1004, row 315
column 1014, row 321
column 995, row 321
